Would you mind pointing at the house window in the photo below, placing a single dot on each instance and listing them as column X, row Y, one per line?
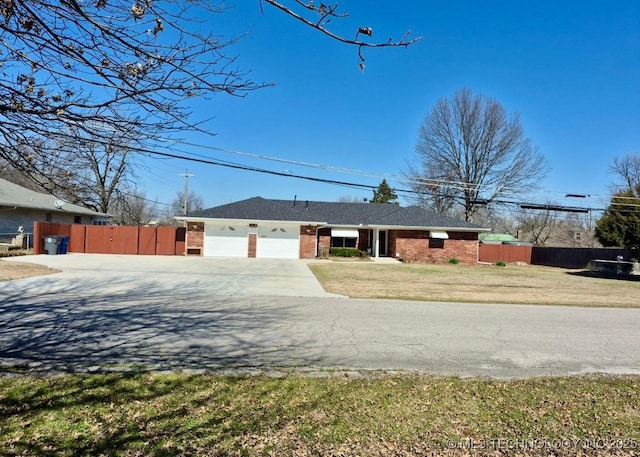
column 436, row 243
column 77, row 219
column 343, row 242
column 47, row 218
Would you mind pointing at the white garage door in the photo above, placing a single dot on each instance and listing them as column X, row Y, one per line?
column 226, row 240
column 278, row 242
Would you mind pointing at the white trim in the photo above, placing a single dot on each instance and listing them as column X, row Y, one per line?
column 438, row 234
column 376, row 243
column 344, row 233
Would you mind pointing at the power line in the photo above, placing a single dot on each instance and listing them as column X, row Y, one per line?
column 459, row 185
column 373, row 187
column 412, row 192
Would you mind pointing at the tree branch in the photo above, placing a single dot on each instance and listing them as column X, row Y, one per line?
column 328, row 12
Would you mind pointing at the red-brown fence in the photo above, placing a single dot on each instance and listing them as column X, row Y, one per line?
column 492, row 253
column 108, row 239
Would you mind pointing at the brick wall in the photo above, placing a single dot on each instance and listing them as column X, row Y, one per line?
column 408, row 245
column 195, row 238
column 253, row 245
column 308, row 235
column 416, row 246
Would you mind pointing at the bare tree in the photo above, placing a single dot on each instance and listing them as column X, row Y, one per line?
column 499, row 222
column 110, row 68
column 133, row 209
column 105, row 68
column 8, row 172
column 195, row 203
column 471, row 152
column 99, row 174
column 81, row 170
column 538, row 226
column 626, row 171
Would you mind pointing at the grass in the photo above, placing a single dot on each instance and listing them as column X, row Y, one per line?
column 177, row 414
column 477, row 284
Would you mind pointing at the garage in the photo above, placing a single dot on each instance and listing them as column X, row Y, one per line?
column 275, row 241
column 278, row 241
column 226, row 240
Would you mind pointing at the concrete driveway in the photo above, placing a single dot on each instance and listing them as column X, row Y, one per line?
column 119, row 312
column 177, row 274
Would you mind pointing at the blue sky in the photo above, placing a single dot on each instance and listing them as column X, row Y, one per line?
column 570, row 69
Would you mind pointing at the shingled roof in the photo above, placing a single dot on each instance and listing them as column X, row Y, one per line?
column 333, row 213
column 15, row 196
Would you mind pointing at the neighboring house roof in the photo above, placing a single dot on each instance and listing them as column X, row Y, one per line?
column 15, row 196
column 496, row 237
column 333, row 213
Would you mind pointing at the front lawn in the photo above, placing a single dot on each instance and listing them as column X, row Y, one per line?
column 477, row 284
column 181, row 414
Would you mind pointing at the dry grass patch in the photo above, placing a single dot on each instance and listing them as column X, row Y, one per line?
column 20, row 270
column 478, row 284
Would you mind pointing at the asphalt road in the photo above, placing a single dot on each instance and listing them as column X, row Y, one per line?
column 119, row 312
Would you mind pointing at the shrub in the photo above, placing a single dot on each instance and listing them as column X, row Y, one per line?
column 347, row 252
column 454, row 261
column 501, row 263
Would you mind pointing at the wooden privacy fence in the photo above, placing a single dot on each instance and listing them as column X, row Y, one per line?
column 492, row 253
column 108, row 239
column 578, row 257
column 551, row 257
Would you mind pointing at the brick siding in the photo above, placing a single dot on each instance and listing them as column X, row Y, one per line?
column 415, row 246
column 195, row 238
column 253, row 245
column 308, row 241
column 408, row 245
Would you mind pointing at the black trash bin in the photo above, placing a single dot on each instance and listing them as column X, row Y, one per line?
column 52, row 244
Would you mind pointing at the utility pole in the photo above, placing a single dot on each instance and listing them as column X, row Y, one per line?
column 186, row 175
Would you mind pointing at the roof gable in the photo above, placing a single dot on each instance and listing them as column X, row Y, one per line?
column 332, row 213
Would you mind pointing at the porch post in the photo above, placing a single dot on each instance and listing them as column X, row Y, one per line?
column 376, row 242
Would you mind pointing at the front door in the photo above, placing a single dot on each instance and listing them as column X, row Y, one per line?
column 382, row 243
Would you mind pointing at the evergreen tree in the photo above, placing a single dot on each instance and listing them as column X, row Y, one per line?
column 619, row 226
column 384, row 194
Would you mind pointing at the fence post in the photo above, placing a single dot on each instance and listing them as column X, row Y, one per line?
column 38, row 244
